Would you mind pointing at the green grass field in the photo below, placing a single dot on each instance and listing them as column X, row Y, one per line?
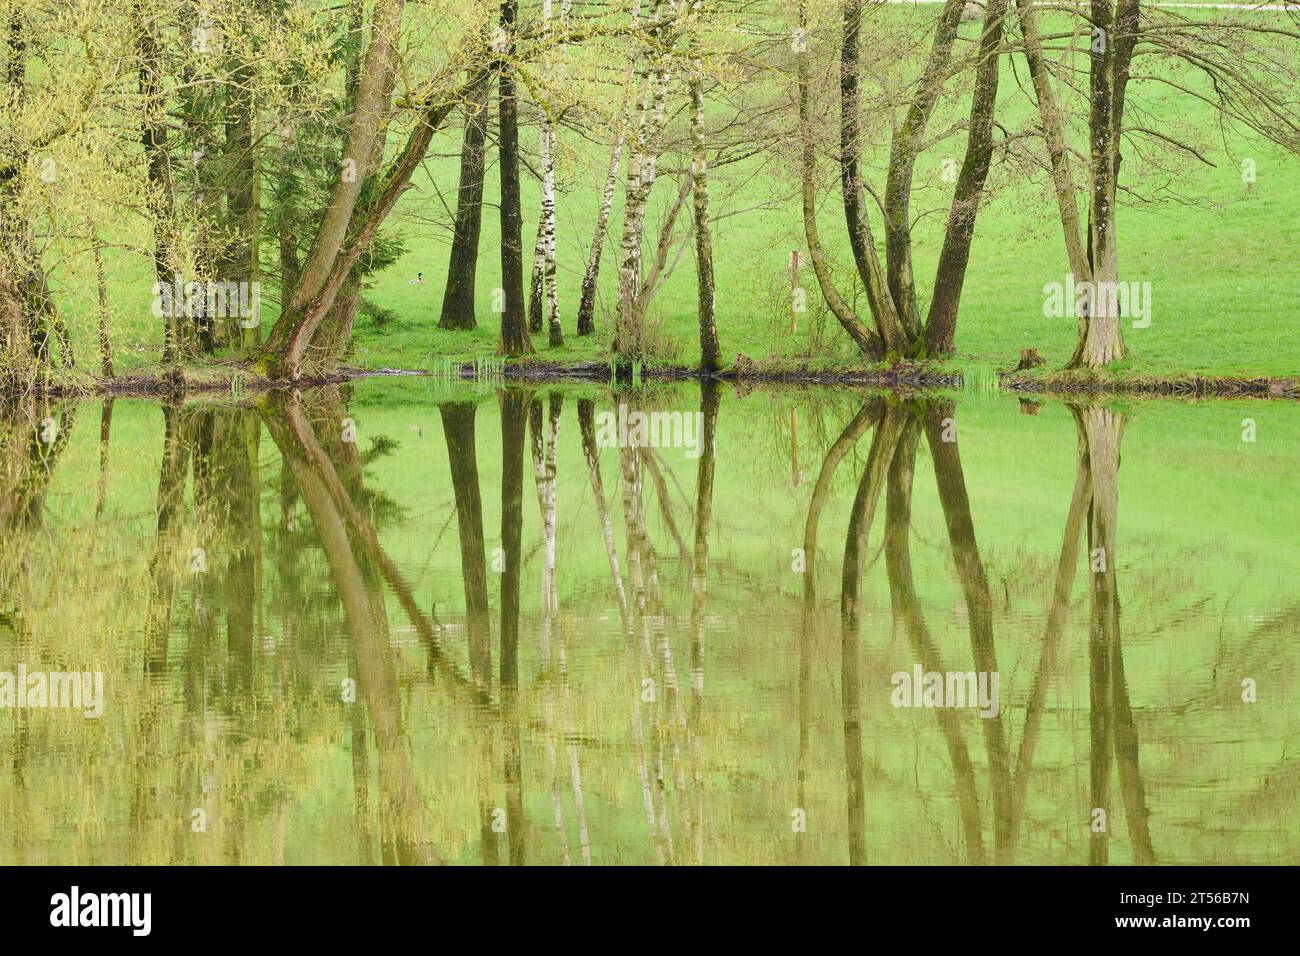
column 1222, row 269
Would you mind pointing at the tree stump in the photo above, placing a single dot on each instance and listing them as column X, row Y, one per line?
column 1029, row 358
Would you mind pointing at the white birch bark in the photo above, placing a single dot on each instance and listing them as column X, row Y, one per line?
column 544, row 477
column 639, row 658
column 642, row 168
column 587, row 303
column 547, row 237
column 590, row 274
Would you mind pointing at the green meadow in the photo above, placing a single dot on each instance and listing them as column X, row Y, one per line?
column 1220, row 254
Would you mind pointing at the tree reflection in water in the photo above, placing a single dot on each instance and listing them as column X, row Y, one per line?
column 266, row 570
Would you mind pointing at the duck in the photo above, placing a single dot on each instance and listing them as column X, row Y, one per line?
column 418, row 280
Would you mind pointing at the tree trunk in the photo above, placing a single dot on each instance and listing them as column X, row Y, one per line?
column 555, row 331
column 706, row 299
column 888, row 324
column 289, row 264
column 1057, row 148
column 1058, row 156
column 546, row 232
column 514, row 332
column 196, row 176
column 868, row 341
column 950, row 275
column 334, row 336
column 286, row 357
column 15, row 349
column 368, row 110
column 587, row 302
column 903, row 151
column 629, row 332
column 1103, row 340
column 105, row 346
column 161, row 200
column 458, row 299
column 321, row 276
column 537, row 277
column 655, row 276
column 243, row 264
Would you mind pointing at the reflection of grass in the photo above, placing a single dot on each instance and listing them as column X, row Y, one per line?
column 487, row 371
column 979, row 377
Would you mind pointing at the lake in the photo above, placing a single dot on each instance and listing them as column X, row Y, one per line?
column 414, row 621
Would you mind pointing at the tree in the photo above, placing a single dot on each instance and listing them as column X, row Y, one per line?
column 950, row 275
column 458, row 302
column 890, row 288
column 591, row 274
column 53, row 85
column 868, row 341
column 706, row 294
column 514, row 330
column 1248, row 78
column 323, row 274
column 544, row 267
column 643, row 162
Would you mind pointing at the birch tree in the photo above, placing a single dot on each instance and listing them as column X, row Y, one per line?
column 544, row 268
column 591, row 274
column 643, row 161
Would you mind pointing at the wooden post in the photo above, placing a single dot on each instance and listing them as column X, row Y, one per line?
column 796, row 260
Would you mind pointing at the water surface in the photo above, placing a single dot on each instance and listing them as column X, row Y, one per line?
column 405, row 622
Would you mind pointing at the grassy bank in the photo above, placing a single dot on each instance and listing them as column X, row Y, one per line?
column 235, row 380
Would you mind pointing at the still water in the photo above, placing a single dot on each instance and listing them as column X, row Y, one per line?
column 407, row 622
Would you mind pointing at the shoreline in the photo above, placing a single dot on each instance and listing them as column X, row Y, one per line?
column 235, row 381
